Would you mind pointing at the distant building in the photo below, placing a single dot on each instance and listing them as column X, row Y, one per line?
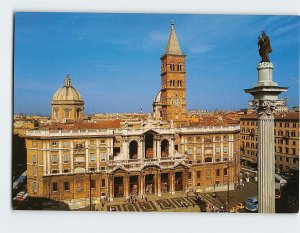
column 286, row 140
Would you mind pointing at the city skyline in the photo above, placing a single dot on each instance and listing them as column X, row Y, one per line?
column 116, row 68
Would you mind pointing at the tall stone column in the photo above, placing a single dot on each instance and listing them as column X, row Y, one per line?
column 265, row 93
column 266, row 158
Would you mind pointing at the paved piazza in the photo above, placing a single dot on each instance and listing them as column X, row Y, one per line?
column 168, row 203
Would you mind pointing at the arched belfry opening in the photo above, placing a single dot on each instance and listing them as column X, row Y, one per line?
column 133, row 150
column 149, row 145
column 164, row 148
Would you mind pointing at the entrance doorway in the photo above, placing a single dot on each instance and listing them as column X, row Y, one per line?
column 165, row 182
column 178, row 181
column 149, row 181
column 133, row 185
column 118, row 187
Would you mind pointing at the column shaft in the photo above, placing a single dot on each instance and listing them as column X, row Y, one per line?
column 266, row 164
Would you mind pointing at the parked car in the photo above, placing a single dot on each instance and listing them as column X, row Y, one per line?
column 234, row 209
column 21, row 196
column 240, row 206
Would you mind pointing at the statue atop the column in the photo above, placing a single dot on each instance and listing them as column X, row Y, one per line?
column 264, row 47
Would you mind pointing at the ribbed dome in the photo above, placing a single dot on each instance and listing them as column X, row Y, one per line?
column 157, row 97
column 67, row 92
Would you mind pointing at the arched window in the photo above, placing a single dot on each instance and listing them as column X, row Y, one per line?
column 149, row 146
column 78, row 112
column 133, row 150
column 164, row 148
column 179, row 67
column 172, row 67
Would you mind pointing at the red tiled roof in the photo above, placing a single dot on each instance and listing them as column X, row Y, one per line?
column 279, row 116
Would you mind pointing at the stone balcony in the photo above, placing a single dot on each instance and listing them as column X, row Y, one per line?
column 139, row 164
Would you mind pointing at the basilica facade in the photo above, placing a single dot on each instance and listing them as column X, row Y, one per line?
column 73, row 159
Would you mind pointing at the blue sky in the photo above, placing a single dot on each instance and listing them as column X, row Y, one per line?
column 114, row 59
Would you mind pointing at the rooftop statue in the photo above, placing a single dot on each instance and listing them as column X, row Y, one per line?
column 264, row 47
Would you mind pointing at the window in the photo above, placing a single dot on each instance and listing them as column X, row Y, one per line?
column 66, row 158
column 190, row 175
column 225, row 172
column 54, row 171
column 34, row 144
column 172, row 67
column 92, row 142
column 66, row 144
column 66, row 170
column 198, row 174
column 179, row 67
column 293, row 151
column 226, row 138
column 198, row 150
column 54, row 158
column 102, row 141
column 66, row 186
column 286, row 150
column 218, row 172
column 35, row 171
column 54, row 187
column 34, row 186
column 189, row 151
column 34, row 159
column 54, row 143
column 93, row 184
column 102, row 155
column 218, row 150
column 67, row 113
column 103, row 183
column 79, row 185
column 91, row 169
column 92, row 157
column 225, row 149
column 208, row 160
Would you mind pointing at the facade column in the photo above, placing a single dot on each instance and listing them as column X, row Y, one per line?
column 159, row 184
column 172, row 182
column 60, row 157
column 141, row 184
column 154, row 148
column 171, row 147
column 185, row 181
column 86, row 157
column 98, row 155
column 48, row 162
column 125, row 149
column 158, row 148
column 155, row 184
column 126, row 185
column 44, row 159
column 110, row 186
column 72, row 157
column 141, row 149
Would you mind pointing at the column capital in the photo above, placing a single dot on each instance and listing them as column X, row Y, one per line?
column 265, row 109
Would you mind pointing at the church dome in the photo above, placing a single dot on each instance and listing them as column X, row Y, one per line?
column 67, row 93
column 157, row 98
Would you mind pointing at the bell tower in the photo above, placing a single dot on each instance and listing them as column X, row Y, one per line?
column 173, row 86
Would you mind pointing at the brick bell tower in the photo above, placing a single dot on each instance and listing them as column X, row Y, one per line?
column 173, row 87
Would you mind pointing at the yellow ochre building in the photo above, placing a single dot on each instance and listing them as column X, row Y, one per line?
column 72, row 159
